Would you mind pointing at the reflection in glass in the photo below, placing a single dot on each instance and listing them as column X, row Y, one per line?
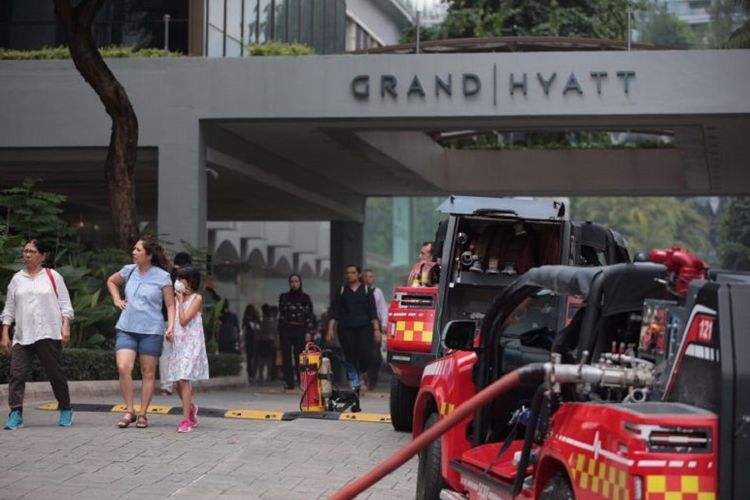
column 234, row 25
column 215, row 21
column 250, row 22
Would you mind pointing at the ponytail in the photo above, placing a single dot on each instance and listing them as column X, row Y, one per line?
column 157, row 252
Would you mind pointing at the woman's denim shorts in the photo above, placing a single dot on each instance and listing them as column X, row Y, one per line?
column 142, row 343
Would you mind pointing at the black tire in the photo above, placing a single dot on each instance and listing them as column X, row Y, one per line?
column 557, row 488
column 402, row 405
column 429, row 476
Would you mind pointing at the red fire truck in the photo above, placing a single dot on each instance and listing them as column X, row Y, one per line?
column 628, row 407
column 483, row 244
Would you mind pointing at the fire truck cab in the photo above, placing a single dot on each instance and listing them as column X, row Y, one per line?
column 483, row 245
column 652, row 406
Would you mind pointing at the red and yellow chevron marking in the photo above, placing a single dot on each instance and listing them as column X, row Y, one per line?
column 662, row 487
column 446, row 408
column 411, row 330
column 598, row 477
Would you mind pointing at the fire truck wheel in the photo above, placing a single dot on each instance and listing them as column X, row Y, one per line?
column 557, row 488
column 429, row 476
column 402, row 405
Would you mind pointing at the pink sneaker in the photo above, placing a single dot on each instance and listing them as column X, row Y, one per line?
column 185, row 426
column 194, row 414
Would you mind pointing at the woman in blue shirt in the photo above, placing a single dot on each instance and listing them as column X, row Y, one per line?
column 142, row 326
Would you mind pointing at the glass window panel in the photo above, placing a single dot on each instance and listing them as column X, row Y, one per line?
column 292, row 18
column 305, row 35
column 340, row 24
column 215, row 24
column 330, row 27
column 280, row 20
column 265, row 31
column 215, row 42
column 234, row 47
column 234, row 21
column 249, row 23
column 319, row 25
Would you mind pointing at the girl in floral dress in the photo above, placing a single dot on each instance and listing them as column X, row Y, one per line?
column 188, row 360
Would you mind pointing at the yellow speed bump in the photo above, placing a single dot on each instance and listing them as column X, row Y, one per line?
column 151, row 409
column 366, row 417
column 254, row 414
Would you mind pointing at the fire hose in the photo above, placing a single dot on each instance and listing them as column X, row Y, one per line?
column 527, row 374
column 554, row 373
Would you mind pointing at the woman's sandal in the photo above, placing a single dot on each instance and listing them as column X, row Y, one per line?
column 127, row 419
column 141, row 422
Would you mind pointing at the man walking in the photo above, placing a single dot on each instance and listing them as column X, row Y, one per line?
column 368, row 278
column 353, row 311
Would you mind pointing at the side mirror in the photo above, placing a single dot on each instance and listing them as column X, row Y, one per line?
column 459, row 334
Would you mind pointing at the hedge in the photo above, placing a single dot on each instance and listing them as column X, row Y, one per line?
column 62, row 52
column 94, row 364
column 279, row 49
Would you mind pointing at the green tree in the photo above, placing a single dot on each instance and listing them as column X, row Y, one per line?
column 483, row 18
column 740, row 38
column 720, row 28
column 660, row 27
column 119, row 167
column 735, row 234
column 648, row 223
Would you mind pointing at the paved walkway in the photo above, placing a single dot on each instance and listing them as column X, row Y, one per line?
column 225, row 458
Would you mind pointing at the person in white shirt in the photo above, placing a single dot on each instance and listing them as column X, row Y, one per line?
column 368, row 278
column 39, row 304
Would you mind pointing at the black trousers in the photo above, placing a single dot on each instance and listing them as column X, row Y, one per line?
column 49, row 352
column 292, row 343
column 357, row 344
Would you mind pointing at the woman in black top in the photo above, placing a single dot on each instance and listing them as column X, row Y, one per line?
column 295, row 319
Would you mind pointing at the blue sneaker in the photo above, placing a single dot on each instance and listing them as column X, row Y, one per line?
column 15, row 420
column 66, row 418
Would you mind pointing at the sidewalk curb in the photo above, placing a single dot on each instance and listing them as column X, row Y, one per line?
column 83, row 389
column 269, row 415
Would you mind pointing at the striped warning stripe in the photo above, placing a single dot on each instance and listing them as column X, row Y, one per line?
column 242, row 414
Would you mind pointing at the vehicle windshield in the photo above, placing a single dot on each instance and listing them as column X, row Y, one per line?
column 536, row 313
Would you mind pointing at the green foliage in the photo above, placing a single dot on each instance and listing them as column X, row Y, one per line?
column 648, row 222
column 31, row 213
column 34, row 214
column 485, row 18
column 735, row 235
column 62, row 52
column 279, row 49
column 660, row 27
column 740, row 38
column 90, row 364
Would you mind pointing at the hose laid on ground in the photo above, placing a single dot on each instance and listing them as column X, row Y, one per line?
column 533, row 373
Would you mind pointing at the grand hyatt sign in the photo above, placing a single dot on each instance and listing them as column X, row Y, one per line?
column 471, row 85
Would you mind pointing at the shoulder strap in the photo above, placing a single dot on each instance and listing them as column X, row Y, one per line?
column 52, row 280
column 130, row 274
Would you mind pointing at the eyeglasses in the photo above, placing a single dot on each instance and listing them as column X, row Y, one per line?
column 30, row 252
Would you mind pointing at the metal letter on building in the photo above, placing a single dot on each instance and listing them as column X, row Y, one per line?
column 361, row 87
column 471, row 84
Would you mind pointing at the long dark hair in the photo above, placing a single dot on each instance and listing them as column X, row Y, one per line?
column 158, row 255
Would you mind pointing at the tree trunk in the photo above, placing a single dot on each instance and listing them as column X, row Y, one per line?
column 119, row 171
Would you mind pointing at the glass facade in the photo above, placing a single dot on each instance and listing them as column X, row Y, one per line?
column 232, row 25
column 26, row 25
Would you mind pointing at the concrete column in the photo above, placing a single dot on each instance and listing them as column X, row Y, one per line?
column 182, row 188
column 347, row 247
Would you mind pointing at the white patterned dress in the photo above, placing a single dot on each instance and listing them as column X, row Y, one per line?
column 188, row 360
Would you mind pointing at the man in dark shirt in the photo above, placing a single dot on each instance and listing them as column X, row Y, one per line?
column 354, row 311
